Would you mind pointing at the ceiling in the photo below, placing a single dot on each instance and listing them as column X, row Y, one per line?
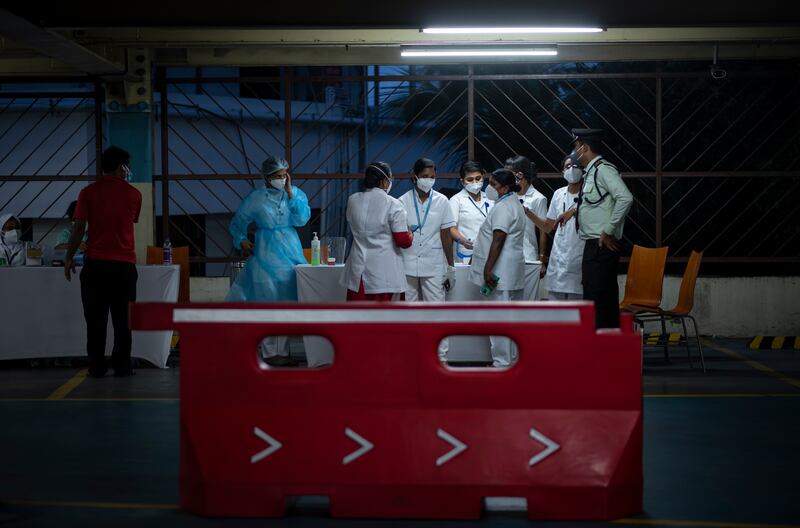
column 92, row 37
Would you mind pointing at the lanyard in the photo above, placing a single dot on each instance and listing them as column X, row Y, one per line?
column 421, row 223
column 506, row 195
column 476, row 206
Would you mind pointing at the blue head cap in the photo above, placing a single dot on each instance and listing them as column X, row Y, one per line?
column 271, row 165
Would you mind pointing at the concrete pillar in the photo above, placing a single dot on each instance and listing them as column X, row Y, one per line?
column 129, row 125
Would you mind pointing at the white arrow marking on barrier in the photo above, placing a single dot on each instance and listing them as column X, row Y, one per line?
column 274, row 445
column 458, row 447
column 365, row 444
column 551, row 447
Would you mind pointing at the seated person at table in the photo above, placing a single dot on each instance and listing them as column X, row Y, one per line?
column 268, row 276
column 11, row 248
column 64, row 236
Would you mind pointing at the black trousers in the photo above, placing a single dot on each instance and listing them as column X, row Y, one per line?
column 600, row 283
column 108, row 286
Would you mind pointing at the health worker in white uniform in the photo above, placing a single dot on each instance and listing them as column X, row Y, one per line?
column 563, row 279
column 374, row 269
column 469, row 208
column 429, row 220
column 498, row 260
column 535, row 243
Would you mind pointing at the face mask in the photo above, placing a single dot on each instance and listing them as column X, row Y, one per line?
column 389, row 188
column 279, row 183
column 425, row 184
column 474, row 187
column 573, row 174
column 491, row 193
column 11, row 237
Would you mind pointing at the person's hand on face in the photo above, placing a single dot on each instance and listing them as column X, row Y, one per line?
column 288, row 185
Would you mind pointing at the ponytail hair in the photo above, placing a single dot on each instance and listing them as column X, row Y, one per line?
column 506, row 178
column 375, row 173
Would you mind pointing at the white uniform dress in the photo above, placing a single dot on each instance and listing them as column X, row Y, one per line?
column 508, row 216
column 564, row 270
column 536, row 202
column 373, row 216
column 468, row 216
column 424, row 260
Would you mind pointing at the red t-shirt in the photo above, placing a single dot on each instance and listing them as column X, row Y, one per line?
column 110, row 206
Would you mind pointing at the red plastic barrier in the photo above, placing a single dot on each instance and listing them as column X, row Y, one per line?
column 387, row 431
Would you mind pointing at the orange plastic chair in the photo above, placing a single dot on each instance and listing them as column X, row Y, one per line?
column 683, row 307
column 180, row 256
column 645, row 279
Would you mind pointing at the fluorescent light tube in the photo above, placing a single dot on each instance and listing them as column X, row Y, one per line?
column 515, row 30
column 534, row 52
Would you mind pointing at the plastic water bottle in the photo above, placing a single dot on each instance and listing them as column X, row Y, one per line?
column 315, row 250
column 167, row 251
column 487, row 290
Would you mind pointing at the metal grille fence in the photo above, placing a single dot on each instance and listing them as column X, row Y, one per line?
column 713, row 164
column 50, row 138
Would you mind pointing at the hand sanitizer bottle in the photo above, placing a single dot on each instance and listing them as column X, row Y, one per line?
column 315, row 250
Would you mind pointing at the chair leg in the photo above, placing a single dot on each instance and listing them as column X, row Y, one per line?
column 686, row 337
column 699, row 345
column 666, row 338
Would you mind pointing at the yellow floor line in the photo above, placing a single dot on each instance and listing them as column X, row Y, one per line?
column 797, row 343
column 777, row 343
column 756, row 342
column 700, row 524
column 754, row 364
column 89, row 504
column 69, row 386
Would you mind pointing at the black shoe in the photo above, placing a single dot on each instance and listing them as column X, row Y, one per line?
column 124, row 373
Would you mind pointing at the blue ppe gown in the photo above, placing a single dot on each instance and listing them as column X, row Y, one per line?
column 268, row 275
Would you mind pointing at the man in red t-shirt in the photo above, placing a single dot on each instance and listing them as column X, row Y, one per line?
column 108, row 279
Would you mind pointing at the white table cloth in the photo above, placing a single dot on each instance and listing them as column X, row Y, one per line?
column 320, row 284
column 41, row 313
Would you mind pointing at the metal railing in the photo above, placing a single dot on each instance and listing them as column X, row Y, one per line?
column 50, row 143
column 713, row 164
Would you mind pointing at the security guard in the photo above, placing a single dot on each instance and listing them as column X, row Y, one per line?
column 603, row 204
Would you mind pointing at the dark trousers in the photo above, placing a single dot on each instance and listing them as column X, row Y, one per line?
column 107, row 286
column 600, row 283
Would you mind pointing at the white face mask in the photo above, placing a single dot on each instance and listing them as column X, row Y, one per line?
column 389, row 188
column 474, row 187
column 279, row 183
column 425, row 184
column 491, row 193
column 11, row 237
column 573, row 174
